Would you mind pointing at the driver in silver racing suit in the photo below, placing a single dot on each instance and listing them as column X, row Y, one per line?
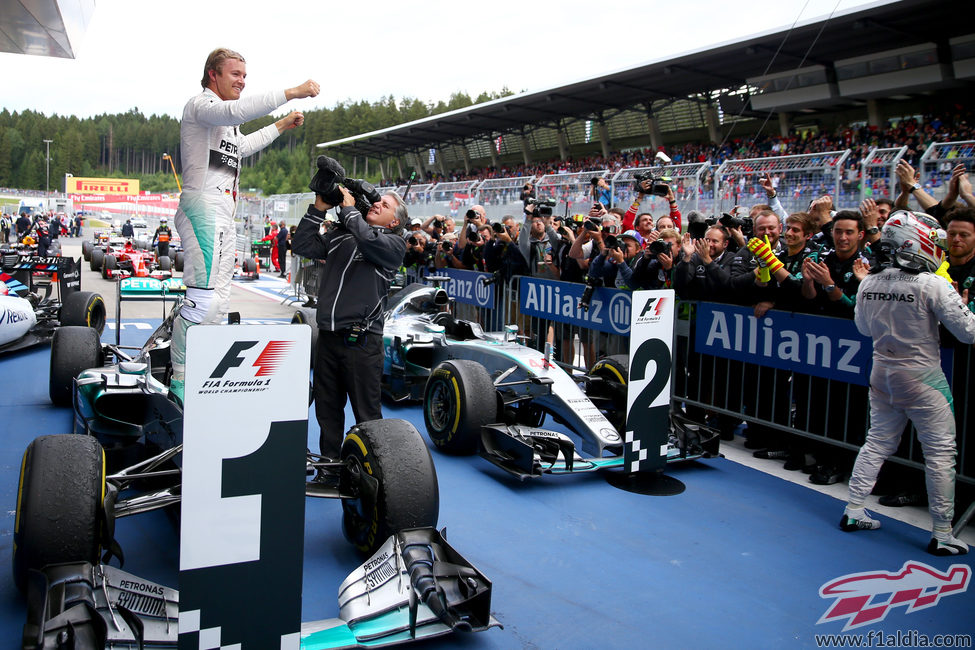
column 211, row 149
column 899, row 308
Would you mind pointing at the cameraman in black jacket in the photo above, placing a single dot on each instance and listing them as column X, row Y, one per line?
column 362, row 255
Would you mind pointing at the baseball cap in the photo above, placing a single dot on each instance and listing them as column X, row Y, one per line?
column 634, row 235
column 416, row 222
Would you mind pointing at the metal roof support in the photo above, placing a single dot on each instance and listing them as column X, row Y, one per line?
column 399, row 167
column 873, row 113
column 785, row 123
column 419, row 165
column 467, row 157
column 563, row 141
column 711, row 117
column 656, row 137
column 603, row 135
column 493, row 148
column 525, row 152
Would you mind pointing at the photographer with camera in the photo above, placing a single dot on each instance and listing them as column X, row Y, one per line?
column 646, row 183
column 527, row 192
column 448, row 253
column 362, row 252
column 614, row 266
column 589, row 241
column 655, row 268
column 569, row 269
column 501, row 254
column 438, row 225
column 472, row 255
column 420, row 253
column 212, row 147
column 537, row 241
column 600, row 192
column 474, row 218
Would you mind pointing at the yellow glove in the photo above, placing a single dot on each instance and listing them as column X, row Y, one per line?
column 943, row 271
column 763, row 252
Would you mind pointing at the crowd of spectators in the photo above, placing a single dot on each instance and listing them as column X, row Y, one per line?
column 759, row 256
column 954, row 125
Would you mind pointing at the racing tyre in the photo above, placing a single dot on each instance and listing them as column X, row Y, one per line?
column 165, row 264
column 73, row 349
column 615, row 370
column 249, row 265
column 308, row 316
column 178, row 262
column 84, row 309
column 459, row 399
column 111, row 263
column 389, row 470
column 86, row 247
column 62, row 486
column 96, row 260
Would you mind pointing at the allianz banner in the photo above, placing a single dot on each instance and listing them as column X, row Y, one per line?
column 470, row 287
column 813, row 345
column 609, row 309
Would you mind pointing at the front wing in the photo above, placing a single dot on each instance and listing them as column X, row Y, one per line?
column 416, row 586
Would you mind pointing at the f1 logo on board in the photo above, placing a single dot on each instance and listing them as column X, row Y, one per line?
column 255, row 369
column 865, row 598
column 651, row 311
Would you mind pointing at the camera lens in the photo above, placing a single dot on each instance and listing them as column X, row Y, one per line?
column 497, row 227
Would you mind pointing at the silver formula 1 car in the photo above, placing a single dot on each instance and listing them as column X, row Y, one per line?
column 485, row 392
column 73, row 488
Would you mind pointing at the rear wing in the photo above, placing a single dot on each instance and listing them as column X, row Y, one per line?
column 144, row 289
column 23, row 269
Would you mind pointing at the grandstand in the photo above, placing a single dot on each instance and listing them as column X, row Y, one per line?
column 863, row 82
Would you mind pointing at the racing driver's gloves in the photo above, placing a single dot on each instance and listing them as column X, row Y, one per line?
column 763, row 252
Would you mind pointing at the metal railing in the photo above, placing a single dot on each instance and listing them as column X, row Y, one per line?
column 878, row 179
column 939, row 159
column 799, row 179
column 827, row 411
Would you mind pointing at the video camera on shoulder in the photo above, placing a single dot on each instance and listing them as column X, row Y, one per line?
column 658, row 181
column 658, row 184
column 331, row 174
column 543, row 207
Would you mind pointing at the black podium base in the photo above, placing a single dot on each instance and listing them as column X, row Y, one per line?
column 650, row 483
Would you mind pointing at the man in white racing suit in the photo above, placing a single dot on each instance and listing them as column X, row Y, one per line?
column 900, row 308
column 212, row 147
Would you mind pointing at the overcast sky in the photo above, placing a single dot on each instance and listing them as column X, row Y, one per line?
column 150, row 55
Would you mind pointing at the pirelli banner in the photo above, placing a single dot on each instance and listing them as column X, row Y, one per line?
column 813, row 345
column 116, row 186
column 245, row 430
